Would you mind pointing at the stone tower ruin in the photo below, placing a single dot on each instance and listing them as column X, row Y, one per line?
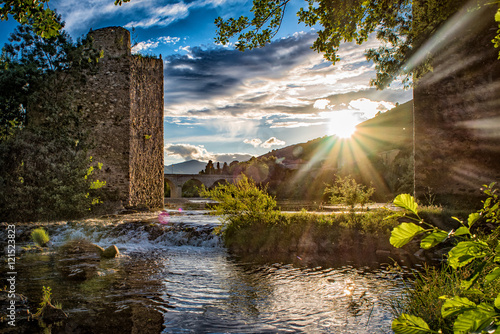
column 457, row 112
column 123, row 107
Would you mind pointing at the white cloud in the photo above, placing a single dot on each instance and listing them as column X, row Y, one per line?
column 188, row 152
column 321, row 104
column 254, row 142
column 154, row 43
column 163, row 16
column 199, row 152
column 273, row 141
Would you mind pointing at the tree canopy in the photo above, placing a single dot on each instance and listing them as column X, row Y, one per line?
column 37, row 13
column 401, row 26
column 45, row 172
column 44, row 21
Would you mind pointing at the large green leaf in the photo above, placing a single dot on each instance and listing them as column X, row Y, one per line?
column 433, row 239
column 465, row 252
column 473, row 217
column 455, row 305
column 462, row 231
column 410, row 324
column 474, row 320
column 404, row 233
column 493, row 275
column 497, row 302
column 406, row 201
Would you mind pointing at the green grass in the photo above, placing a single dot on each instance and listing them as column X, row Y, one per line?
column 330, row 232
column 40, row 237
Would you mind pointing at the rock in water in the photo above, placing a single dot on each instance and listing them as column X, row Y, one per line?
column 51, row 314
column 110, row 252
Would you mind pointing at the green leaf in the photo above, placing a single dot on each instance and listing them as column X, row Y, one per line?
column 465, row 252
column 404, row 233
column 462, row 231
column 473, row 217
column 493, row 275
column 456, row 305
column 474, row 320
column 497, row 15
column 410, row 324
column 433, row 239
column 406, row 201
column 497, row 301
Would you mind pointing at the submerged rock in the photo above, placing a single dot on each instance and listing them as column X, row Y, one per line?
column 51, row 314
column 78, row 259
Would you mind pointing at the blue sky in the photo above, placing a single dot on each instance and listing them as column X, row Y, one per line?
column 225, row 105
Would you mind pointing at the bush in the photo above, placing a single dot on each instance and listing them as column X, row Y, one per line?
column 40, row 237
column 241, row 204
column 347, row 191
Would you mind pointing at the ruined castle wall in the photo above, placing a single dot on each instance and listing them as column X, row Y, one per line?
column 457, row 114
column 146, row 132
column 105, row 103
column 122, row 105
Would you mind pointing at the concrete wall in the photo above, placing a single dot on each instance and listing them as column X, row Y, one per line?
column 457, row 112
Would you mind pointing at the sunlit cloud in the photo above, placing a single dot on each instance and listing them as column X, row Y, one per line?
column 188, row 152
column 254, row 142
column 273, row 141
column 154, row 43
column 285, row 77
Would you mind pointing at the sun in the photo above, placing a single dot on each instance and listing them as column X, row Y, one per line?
column 342, row 124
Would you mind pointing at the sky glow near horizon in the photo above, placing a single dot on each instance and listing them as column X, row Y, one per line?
column 225, row 105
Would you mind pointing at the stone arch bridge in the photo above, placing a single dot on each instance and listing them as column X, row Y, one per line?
column 176, row 181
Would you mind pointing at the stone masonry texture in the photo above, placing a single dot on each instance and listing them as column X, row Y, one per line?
column 122, row 104
column 457, row 113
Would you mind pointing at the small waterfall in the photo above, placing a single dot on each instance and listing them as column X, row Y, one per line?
column 139, row 232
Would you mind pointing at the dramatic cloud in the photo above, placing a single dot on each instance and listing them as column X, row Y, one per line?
column 79, row 15
column 286, row 77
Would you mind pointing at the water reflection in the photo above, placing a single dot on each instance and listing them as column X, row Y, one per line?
column 163, row 285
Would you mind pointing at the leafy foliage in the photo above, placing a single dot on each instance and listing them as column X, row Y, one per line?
column 36, row 13
column 44, row 168
column 474, row 306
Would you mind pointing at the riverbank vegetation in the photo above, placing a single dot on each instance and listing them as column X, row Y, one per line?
column 462, row 296
column 252, row 223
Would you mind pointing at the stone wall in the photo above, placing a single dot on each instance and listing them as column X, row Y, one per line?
column 122, row 104
column 146, row 132
column 457, row 113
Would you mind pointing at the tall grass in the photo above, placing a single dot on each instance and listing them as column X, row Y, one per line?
column 40, row 237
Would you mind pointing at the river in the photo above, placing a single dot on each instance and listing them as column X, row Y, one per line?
column 177, row 278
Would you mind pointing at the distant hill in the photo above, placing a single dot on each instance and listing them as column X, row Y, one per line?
column 186, row 167
column 387, row 131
